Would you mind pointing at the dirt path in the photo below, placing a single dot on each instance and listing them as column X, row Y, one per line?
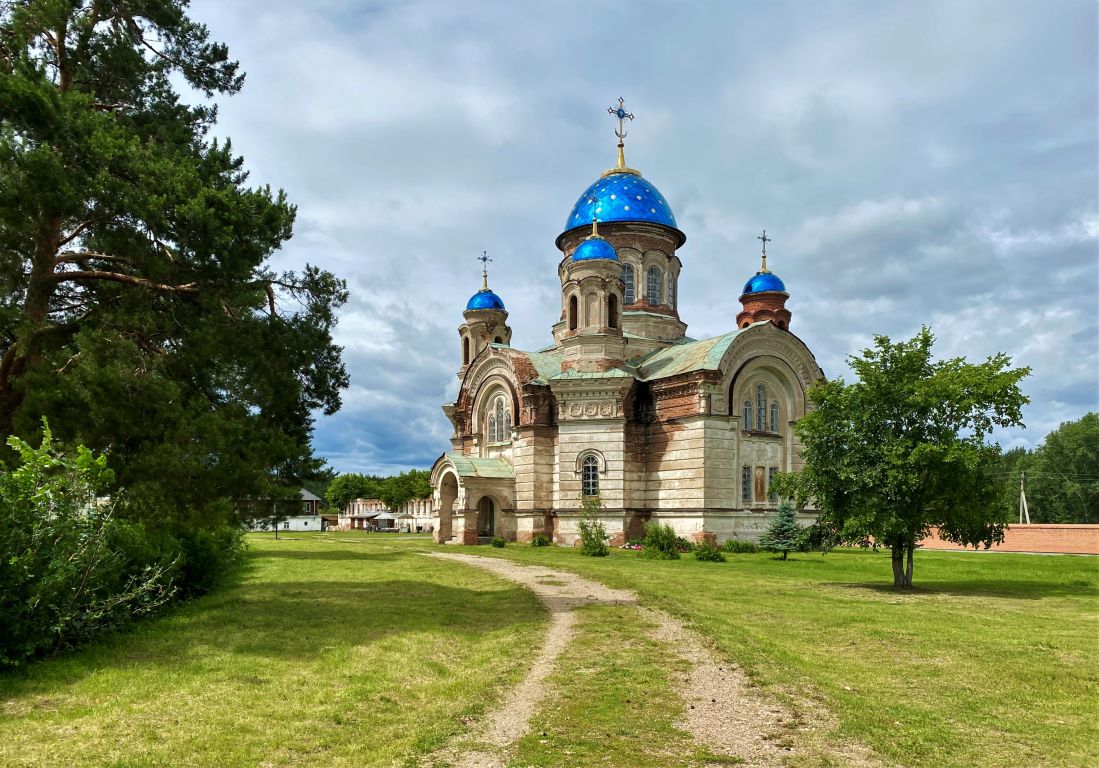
column 721, row 711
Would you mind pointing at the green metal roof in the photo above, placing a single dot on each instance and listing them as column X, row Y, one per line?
column 613, row 373
column 468, row 466
column 702, row 355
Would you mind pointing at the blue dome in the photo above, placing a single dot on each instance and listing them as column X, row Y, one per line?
column 764, row 281
column 621, row 197
column 594, row 248
column 485, row 299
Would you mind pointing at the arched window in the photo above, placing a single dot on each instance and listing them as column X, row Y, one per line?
column 498, row 421
column 774, row 417
column 465, row 350
column 572, row 313
column 747, row 420
column 499, row 340
column 590, row 476
column 627, row 280
column 612, row 311
column 671, row 290
column 653, row 288
column 761, row 408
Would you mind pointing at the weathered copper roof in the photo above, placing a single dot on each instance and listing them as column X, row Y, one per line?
column 702, row 355
column 468, row 466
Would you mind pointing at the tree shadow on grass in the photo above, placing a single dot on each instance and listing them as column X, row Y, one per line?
column 326, row 554
column 292, row 621
column 1014, row 589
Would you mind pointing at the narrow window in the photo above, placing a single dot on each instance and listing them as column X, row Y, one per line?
column 465, row 350
column 499, row 340
column 747, row 415
column 590, row 476
column 771, row 472
column 653, row 289
column 492, row 427
column 572, row 313
column 671, row 290
column 627, row 280
column 774, row 417
column 761, row 408
column 745, row 483
column 612, row 311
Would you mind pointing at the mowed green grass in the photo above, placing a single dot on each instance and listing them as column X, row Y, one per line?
column 991, row 661
column 322, row 653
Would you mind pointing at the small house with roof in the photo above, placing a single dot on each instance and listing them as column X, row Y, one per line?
column 623, row 407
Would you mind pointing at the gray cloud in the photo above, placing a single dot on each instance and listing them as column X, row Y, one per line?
column 915, row 163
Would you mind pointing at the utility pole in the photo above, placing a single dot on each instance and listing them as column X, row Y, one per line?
column 1023, row 511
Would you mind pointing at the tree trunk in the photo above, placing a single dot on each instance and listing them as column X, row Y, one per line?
column 784, row 554
column 900, row 552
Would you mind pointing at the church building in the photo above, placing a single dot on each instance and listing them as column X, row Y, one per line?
column 623, row 407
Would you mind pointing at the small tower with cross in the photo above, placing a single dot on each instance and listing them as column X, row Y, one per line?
column 485, row 320
column 764, row 296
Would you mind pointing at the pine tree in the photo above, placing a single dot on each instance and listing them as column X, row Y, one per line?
column 785, row 534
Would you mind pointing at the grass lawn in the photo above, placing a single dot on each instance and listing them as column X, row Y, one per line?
column 353, row 650
column 991, row 661
column 323, row 652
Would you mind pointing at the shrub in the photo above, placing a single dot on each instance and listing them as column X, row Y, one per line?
column 738, row 546
column 498, row 542
column 682, row 545
column 593, row 534
column 69, row 570
column 707, row 551
column 541, row 540
column 660, row 542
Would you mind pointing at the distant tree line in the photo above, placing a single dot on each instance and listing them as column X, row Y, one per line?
column 394, row 490
column 1061, row 474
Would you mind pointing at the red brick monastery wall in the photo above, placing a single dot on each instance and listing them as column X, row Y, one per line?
column 1038, row 537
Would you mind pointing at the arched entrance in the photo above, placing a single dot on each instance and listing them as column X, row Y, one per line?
column 448, row 494
column 486, row 517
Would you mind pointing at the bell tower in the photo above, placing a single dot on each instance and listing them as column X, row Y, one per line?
column 590, row 330
column 485, row 320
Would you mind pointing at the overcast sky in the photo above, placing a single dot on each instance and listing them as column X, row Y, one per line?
column 914, row 162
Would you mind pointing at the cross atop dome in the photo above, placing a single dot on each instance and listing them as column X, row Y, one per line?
column 484, row 258
column 620, row 114
column 764, row 239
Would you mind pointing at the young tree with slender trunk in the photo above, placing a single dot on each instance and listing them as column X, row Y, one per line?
column 904, row 449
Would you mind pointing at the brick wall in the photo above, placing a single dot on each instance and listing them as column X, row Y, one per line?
column 1039, row 537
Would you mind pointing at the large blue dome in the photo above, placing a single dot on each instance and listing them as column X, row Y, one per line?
column 484, row 299
column 764, row 281
column 621, row 197
column 594, row 248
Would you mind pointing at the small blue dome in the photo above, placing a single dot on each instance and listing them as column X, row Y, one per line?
column 764, row 281
column 485, row 299
column 594, row 248
column 621, row 197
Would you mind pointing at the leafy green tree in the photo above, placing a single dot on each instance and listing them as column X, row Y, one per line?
column 784, row 534
column 138, row 308
column 593, row 534
column 904, row 448
column 346, row 488
column 1062, row 476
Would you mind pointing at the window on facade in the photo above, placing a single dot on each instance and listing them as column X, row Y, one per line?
column 498, row 421
column 747, row 414
column 774, row 417
column 761, row 408
column 612, row 311
column 465, row 351
column 286, row 526
column 771, row 472
column 627, row 280
column 746, row 483
column 572, row 313
column 653, row 289
column 671, row 290
column 590, row 476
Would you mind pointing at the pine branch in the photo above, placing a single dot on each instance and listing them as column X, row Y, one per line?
column 118, row 277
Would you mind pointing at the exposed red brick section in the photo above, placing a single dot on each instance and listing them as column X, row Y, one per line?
column 767, row 305
column 1039, row 537
column 701, row 536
